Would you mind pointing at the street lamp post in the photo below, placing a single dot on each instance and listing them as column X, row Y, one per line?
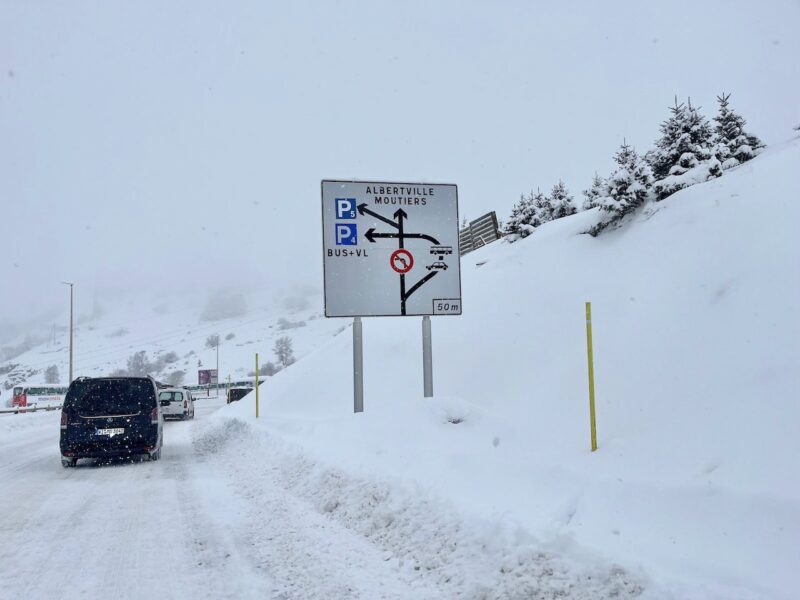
column 70, row 284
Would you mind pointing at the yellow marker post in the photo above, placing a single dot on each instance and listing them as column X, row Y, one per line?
column 593, row 422
column 256, row 385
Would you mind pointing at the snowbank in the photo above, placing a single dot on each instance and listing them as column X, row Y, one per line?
column 696, row 344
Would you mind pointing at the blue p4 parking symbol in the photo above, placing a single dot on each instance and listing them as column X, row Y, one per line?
column 345, row 208
column 346, row 234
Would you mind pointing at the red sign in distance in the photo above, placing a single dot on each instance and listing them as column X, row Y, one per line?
column 401, row 261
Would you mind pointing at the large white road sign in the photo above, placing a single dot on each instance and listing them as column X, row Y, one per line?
column 390, row 249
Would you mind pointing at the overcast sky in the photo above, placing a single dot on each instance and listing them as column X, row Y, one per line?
column 167, row 143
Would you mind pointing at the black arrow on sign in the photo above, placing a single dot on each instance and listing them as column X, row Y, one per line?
column 362, row 209
column 405, row 295
column 371, row 236
column 400, row 214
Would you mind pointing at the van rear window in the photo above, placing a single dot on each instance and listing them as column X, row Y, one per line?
column 100, row 397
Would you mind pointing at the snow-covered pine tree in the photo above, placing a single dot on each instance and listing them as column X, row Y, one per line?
column 732, row 144
column 542, row 207
column 523, row 217
column 683, row 155
column 628, row 187
column 665, row 154
column 515, row 219
column 561, row 202
column 598, row 190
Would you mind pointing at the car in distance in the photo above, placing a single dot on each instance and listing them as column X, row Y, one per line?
column 237, row 393
column 111, row 416
column 176, row 403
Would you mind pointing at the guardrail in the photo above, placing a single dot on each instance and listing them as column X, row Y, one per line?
column 26, row 409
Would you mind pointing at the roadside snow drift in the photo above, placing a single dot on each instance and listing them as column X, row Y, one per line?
column 696, row 330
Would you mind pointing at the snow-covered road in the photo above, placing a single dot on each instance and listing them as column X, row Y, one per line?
column 123, row 529
column 230, row 513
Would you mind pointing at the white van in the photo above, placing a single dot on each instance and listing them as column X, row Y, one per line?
column 176, row 403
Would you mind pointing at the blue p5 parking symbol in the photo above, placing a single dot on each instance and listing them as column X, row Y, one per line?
column 345, row 208
column 346, row 234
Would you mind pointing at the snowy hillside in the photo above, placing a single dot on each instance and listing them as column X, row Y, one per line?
column 173, row 331
column 694, row 487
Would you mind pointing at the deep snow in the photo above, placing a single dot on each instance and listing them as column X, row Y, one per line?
column 696, row 345
column 487, row 490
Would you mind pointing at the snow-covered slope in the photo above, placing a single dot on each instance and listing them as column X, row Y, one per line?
column 178, row 325
column 696, row 333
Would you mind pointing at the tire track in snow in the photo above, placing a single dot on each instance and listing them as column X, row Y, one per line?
column 325, row 534
column 209, row 518
column 308, row 555
column 119, row 529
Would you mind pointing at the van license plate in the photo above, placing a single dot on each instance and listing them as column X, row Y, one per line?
column 111, row 432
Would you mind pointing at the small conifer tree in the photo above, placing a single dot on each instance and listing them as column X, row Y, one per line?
column 597, row 190
column 543, row 208
column 524, row 218
column 732, row 144
column 561, row 202
column 683, row 155
column 628, row 187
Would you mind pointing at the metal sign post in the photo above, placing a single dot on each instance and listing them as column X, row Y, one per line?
column 427, row 357
column 256, row 385
column 390, row 249
column 358, row 366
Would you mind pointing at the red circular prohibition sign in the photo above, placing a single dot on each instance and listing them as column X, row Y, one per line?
column 401, row 261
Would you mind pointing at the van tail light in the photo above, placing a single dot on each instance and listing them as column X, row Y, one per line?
column 63, row 419
column 154, row 416
column 185, row 404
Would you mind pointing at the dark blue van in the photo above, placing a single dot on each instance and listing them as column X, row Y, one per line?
column 111, row 416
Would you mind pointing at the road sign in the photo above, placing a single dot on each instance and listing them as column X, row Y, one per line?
column 207, row 377
column 390, row 249
column 402, row 261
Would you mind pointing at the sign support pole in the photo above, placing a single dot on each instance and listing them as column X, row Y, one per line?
column 358, row 366
column 590, row 357
column 427, row 357
column 256, row 385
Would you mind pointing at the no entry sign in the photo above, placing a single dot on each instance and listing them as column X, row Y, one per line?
column 401, row 261
column 390, row 249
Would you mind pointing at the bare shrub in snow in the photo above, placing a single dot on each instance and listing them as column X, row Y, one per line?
column 269, row 369
column 284, row 324
column 284, row 351
column 51, row 374
column 138, row 365
column 176, row 377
